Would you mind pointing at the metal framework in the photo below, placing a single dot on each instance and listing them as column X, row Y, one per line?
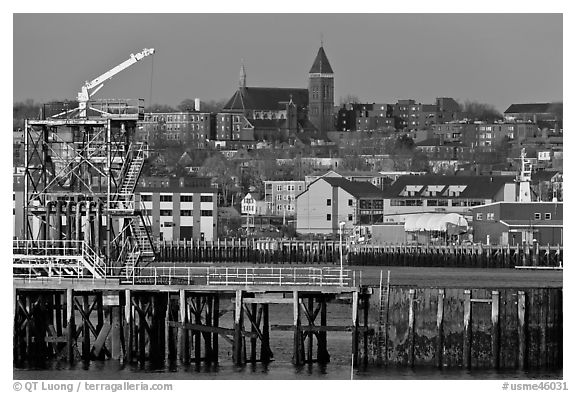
column 80, row 176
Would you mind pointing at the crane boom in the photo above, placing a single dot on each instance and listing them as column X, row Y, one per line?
column 91, row 87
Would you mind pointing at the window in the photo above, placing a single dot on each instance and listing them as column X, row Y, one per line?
column 206, row 213
column 328, row 202
column 206, row 198
column 349, row 217
column 165, row 198
column 328, row 217
column 165, row 212
column 278, row 197
column 350, row 202
column 146, row 198
column 299, row 188
column 278, row 188
column 185, row 212
column 479, row 216
column 185, row 198
column 490, row 216
column 537, row 216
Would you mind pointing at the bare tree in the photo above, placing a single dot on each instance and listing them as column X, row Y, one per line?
column 478, row 111
column 349, row 99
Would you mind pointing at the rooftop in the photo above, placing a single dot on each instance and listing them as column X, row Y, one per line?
column 266, row 98
column 528, row 108
column 357, row 188
column 321, row 64
column 476, row 186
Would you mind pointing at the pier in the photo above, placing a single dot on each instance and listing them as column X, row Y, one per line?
column 167, row 315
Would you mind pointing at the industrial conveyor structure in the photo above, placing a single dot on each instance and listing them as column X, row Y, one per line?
column 81, row 170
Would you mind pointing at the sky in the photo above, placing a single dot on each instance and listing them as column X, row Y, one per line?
column 498, row 59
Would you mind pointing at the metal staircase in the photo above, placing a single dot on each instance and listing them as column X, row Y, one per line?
column 124, row 203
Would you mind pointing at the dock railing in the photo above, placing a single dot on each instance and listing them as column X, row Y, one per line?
column 56, row 258
column 234, row 276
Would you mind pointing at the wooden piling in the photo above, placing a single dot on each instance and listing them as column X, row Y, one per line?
column 265, row 345
column 440, row 329
column 71, row 333
column 355, row 328
column 296, row 323
column 128, row 323
column 207, row 336
column 141, row 332
column 522, row 354
column 215, row 323
column 411, row 296
column 323, row 355
column 182, row 347
column 115, row 339
column 197, row 334
column 467, row 337
column 310, row 333
column 253, row 338
column 496, row 329
column 544, row 328
column 167, row 335
column 237, row 347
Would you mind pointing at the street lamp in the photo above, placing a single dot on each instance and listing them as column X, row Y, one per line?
column 341, row 226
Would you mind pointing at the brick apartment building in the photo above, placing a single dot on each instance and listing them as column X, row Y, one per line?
column 193, row 129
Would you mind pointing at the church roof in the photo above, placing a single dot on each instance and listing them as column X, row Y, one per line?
column 266, row 98
column 321, row 64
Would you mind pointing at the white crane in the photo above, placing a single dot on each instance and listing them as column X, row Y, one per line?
column 91, row 87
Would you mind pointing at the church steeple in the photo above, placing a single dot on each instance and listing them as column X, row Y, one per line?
column 321, row 64
column 242, row 80
column 321, row 92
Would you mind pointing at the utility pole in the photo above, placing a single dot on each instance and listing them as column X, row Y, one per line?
column 341, row 225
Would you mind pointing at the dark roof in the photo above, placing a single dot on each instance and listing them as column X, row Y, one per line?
column 539, row 176
column 266, row 98
column 357, row 188
column 266, row 123
column 477, row 186
column 528, row 108
column 321, row 64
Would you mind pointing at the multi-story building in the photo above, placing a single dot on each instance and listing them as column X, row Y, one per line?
column 329, row 201
column 179, row 208
column 193, row 129
column 484, row 134
column 515, row 223
column 365, row 117
column 280, row 196
column 436, row 149
column 443, row 193
column 416, row 116
column 546, row 115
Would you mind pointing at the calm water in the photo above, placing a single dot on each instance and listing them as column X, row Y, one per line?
column 339, row 347
column 275, row 370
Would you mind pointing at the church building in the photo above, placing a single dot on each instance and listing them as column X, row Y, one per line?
column 278, row 114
